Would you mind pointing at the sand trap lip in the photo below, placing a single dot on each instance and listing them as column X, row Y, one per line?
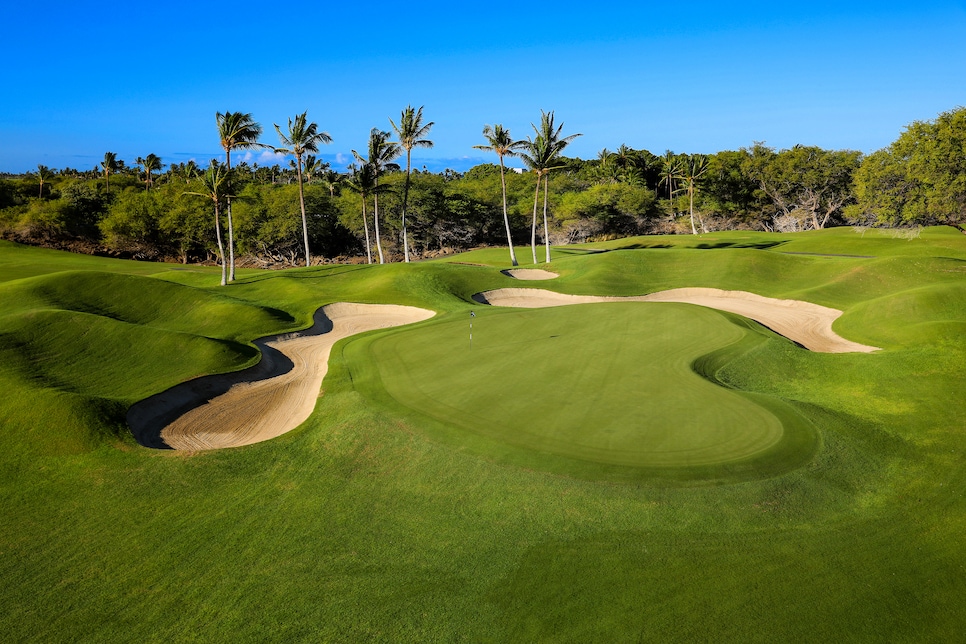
column 810, row 325
column 266, row 400
column 529, row 274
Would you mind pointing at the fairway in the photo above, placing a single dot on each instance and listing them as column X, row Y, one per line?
column 609, row 384
column 613, row 471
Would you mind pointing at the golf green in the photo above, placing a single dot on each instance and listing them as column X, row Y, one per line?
column 614, row 385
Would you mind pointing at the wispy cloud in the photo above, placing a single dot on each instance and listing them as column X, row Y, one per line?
column 268, row 157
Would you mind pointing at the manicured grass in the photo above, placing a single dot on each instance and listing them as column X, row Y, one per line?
column 608, row 387
column 392, row 520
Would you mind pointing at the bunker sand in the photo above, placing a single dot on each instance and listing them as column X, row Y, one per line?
column 529, row 274
column 810, row 325
column 267, row 400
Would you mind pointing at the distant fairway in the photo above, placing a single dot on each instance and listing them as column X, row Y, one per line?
column 608, row 384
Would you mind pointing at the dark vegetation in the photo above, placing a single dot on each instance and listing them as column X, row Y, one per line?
column 143, row 211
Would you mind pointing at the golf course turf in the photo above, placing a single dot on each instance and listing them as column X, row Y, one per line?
column 602, row 384
column 551, row 483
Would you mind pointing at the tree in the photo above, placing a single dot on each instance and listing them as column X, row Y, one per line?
column 382, row 151
column 729, row 190
column 410, row 132
column 919, row 179
column 546, row 149
column 215, row 181
column 617, row 208
column 644, row 170
column 606, row 170
column 110, row 166
column 313, row 167
column 236, row 131
column 500, row 141
column 302, row 137
column 150, row 163
column 186, row 171
column 807, row 184
column 694, row 167
column 364, row 182
column 624, row 159
column 671, row 173
column 331, row 179
column 535, row 155
column 44, row 174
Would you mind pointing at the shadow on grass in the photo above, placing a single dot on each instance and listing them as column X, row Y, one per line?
column 313, row 272
column 147, row 418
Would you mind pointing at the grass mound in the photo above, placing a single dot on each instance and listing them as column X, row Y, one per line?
column 91, row 343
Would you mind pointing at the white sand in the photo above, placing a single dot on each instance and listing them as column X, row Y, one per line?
column 529, row 274
column 250, row 412
column 808, row 324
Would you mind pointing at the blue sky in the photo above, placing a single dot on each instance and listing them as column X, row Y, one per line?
column 81, row 79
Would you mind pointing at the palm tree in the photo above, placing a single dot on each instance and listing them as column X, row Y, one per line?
column 535, row 158
column 150, row 163
column 365, row 182
column 499, row 141
column 110, row 165
column 552, row 145
column 606, row 171
column 313, row 167
column 671, row 172
column 44, row 174
column 642, row 167
column 215, row 181
column 694, row 168
column 382, row 151
column 624, row 159
column 188, row 170
column 410, row 132
column 302, row 137
column 331, row 179
column 236, row 131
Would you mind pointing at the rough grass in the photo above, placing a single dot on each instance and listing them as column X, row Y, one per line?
column 368, row 524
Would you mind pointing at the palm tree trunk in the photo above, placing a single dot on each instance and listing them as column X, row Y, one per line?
column 231, row 245
column 533, row 225
column 405, row 203
column 221, row 249
column 305, row 224
column 546, row 230
column 691, row 207
column 375, row 217
column 231, row 228
column 506, row 219
column 365, row 224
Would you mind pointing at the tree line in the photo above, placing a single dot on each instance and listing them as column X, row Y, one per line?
column 377, row 210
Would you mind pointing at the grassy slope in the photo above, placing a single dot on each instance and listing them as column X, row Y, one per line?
column 360, row 524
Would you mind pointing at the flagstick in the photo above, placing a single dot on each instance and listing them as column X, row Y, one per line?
column 472, row 315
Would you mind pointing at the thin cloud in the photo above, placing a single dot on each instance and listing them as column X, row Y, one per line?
column 267, row 157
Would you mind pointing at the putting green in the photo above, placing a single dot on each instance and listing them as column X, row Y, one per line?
column 607, row 385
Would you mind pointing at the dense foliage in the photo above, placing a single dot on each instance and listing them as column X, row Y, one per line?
column 150, row 211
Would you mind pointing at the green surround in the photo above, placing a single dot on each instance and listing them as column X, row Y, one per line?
column 610, row 386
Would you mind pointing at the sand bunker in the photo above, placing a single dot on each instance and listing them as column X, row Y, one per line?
column 267, row 400
column 810, row 325
column 529, row 274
